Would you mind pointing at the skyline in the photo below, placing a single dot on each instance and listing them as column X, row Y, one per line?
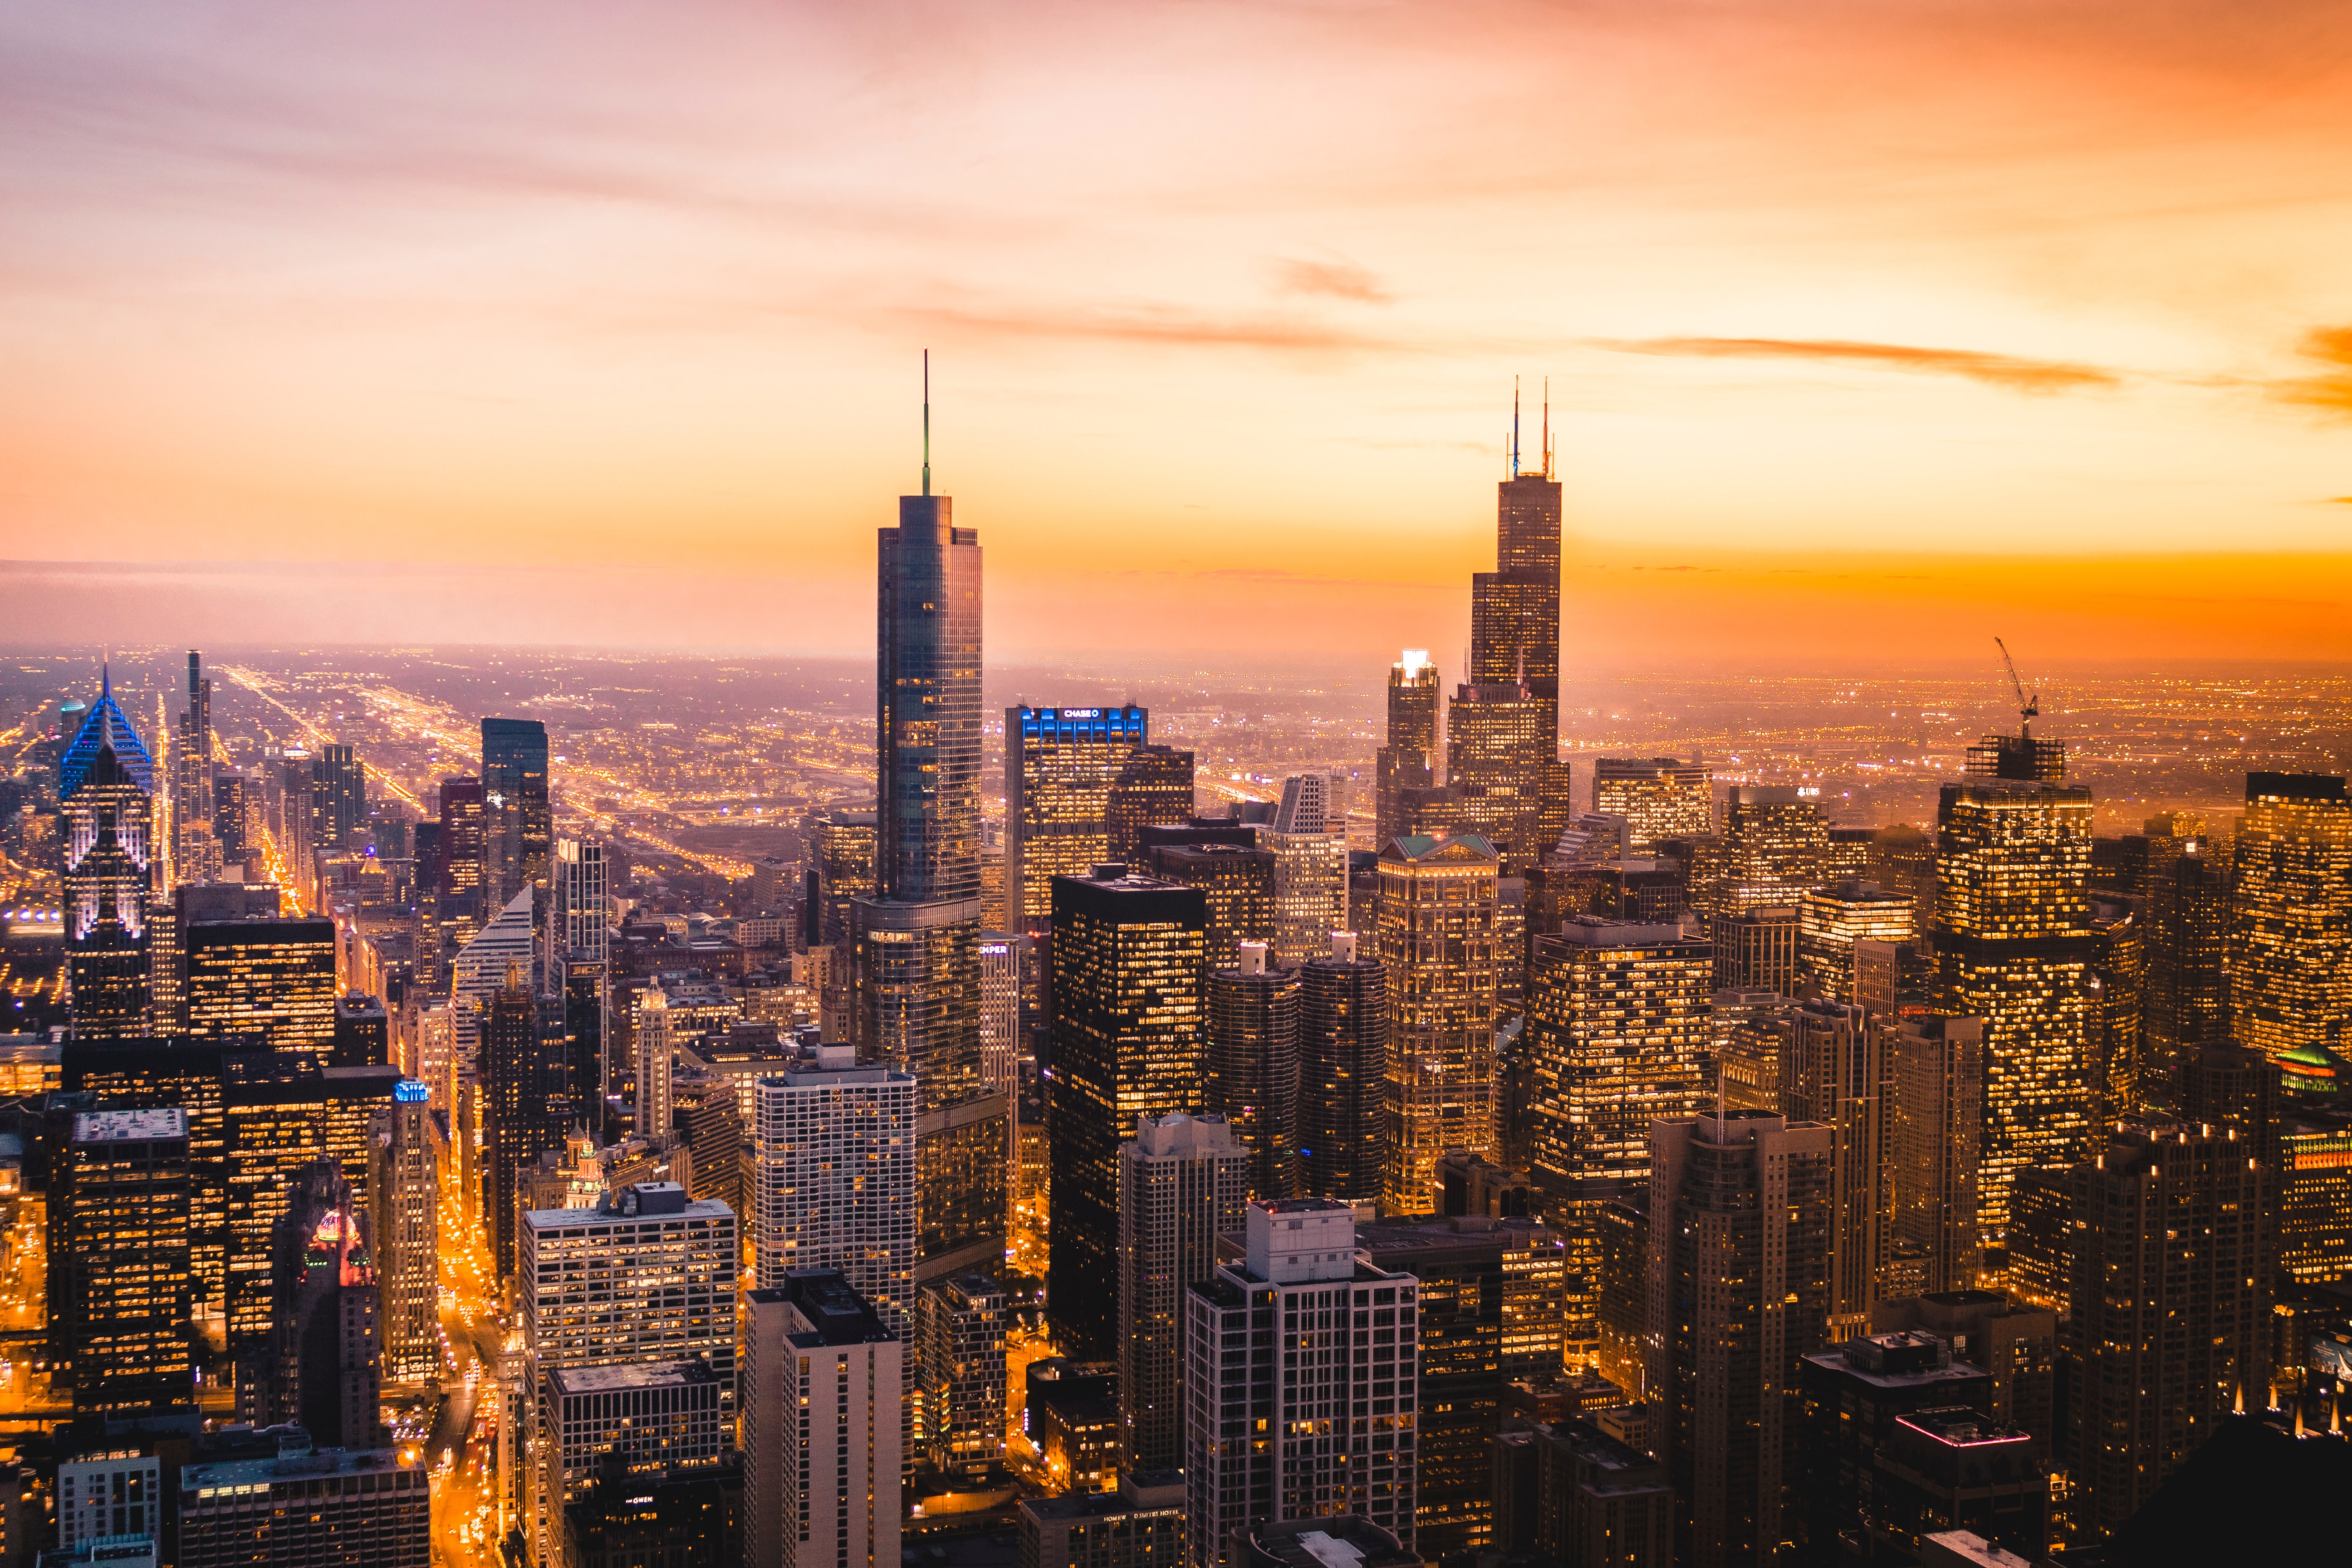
column 2054, row 329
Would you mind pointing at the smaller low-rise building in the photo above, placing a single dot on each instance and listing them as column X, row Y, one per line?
column 1141, row 1525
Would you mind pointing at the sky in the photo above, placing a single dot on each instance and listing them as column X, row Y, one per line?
column 1866, row 330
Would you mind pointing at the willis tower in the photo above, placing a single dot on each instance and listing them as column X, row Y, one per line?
column 918, row 937
column 1503, row 731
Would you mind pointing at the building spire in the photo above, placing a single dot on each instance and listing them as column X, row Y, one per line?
column 1514, row 427
column 927, row 421
column 1547, row 427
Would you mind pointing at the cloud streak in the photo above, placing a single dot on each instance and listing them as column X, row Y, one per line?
column 2010, row 372
column 1333, row 279
column 2330, row 390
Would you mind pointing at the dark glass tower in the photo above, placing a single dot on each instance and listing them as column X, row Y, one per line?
column 106, row 789
column 337, row 796
column 518, row 831
column 918, row 937
column 1408, row 760
column 1343, row 1047
column 1253, row 1060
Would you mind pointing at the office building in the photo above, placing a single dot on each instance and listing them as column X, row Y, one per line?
column 1941, row 1471
column 362, row 1036
column 527, row 1108
column 1061, row 766
column 1408, row 759
column 1070, row 1418
column 106, row 796
column 833, row 1178
column 271, row 980
column 1155, row 789
column 680, row 1517
column 308, row 1509
column 113, row 1491
column 2015, row 949
column 1183, row 1181
column 645, row 1275
column 2015, row 1346
column 1502, row 769
column 821, row 1429
column 117, row 1250
column 1775, row 849
column 1830, row 919
column 462, row 900
column 1936, row 1074
column 1251, row 1080
column 1833, row 1073
column 1437, row 941
column 2117, row 985
column 194, row 773
column 960, row 1324
column 2315, row 1206
column 518, row 835
column 2185, row 996
column 1484, row 1284
column 1853, row 1396
column 1658, row 798
column 647, row 1418
column 1643, row 892
column 1343, row 1042
column 2170, row 1307
column 2292, row 972
column 1737, row 1295
column 1310, row 869
column 1127, row 966
column 1616, row 1039
column 840, row 869
column 1141, row 1525
column 1756, row 949
column 1567, row 1491
column 477, row 972
column 323, row 1369
column 1271, row 1436
column 298, row 829
column 672, row 1013
column 403, row 1199
column 338, row 798
column 1236, row 883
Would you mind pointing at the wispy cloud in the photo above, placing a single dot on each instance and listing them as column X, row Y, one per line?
column 2331, row 389
column 1165, row 326
column 2011, row 373
column 1336, row 280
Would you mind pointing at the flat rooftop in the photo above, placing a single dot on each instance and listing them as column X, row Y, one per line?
column 129, row 1126
column 643, row 1375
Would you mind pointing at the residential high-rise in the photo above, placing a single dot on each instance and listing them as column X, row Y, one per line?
column 1301, row 1289
column 2014, row 948
column 338, row 798
column 645, row 1276
column 579, row 914
column 823, row 1378
column 642, row 1424
column 526, row 1107
column 1739, row 1293
column 273, row 980
column 1343, row 1046
column 960, row 1324
column 1437, row 940
column 324, row 1366
column 1618, row 1038
column 1408, row 761
column 1001, row 958
column 833, row 1178
column 1141, row 1525
column 1251, row 1080
column 1309, row 842
column 518, row 833
column 1936, row 1074
column 192, row 786
column 479, row 971
column 1658, row 797
column 1127, row 1032
column 2016, row 1346
column 118, row 1247
column 1830, row 919
column 2171, row 1308
column 106, row 794
column 1833, row 1072
column 2291, row 976
column 113, row 1490
column 2185, row 996
column 1061, row 766
column 840, row 869
column 403, row 1199
column 1184, row 1181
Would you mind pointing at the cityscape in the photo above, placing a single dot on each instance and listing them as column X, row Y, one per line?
column 1200, row 784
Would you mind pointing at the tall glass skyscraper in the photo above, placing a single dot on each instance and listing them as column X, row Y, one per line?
column 2291, row 971
column 918, row 937
column 1062, row 766
column 106, row 790
column 517, row 827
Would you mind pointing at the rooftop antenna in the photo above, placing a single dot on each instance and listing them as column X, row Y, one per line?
column 1547, row 427
column 1514, row 427
column 927, row 421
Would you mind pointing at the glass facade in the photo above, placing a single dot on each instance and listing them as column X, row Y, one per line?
column 1437, row 939
column 270, row 980
column 1659, row 797
column 1061, row 768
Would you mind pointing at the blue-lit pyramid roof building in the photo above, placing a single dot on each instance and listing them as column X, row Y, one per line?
column 105, row 726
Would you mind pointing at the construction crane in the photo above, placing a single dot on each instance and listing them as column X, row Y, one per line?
column 2028, row 708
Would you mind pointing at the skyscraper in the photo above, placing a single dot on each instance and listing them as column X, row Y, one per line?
column 2014, row 948
column 1267, row 1439
column 2171, row 1308
column 1309, row 842
column 1832, row 1072
column 338, row 798
column 833, row 1178
column 1127, row 1031
column 297, row 828
column 2291, row 974
column 404, row 1197
column 1061, row 766
column 823, row 1375
column 517, row 824
column 1437, row 940
column 1936, row 1067
column 1775, row 849
column 1659, row 797
column 325, row 1367
column 463, row 901
column 1740, row 1222
column 1251, row 1080
column 1408, row 759
column 1830, row 919
column 1343, row 1046
column 118, row 1239
column 106, row 793
column 525, row 1105
column 1184, row 1181
column 959, row 1324
column 1155, row 789
column 2185, row 996
column 271, row 979
column 194, row 815
column 1236, row 883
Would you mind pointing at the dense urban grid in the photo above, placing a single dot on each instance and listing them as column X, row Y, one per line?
column 1197, row 1121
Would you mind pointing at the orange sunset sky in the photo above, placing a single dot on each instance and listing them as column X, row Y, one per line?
column 1870, row 328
